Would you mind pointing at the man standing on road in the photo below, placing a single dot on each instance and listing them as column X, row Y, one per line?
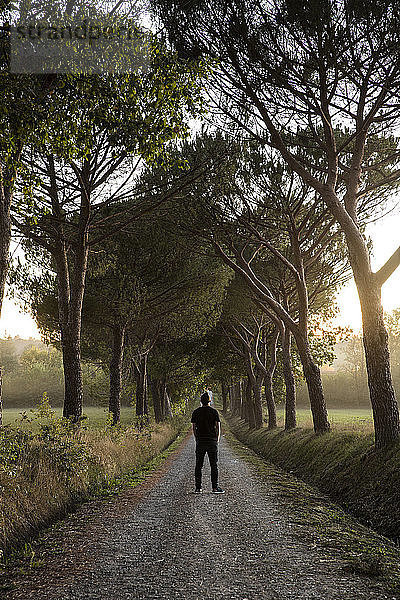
column 207, row 430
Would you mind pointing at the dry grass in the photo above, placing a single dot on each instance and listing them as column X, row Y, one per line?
column 49, row 475
column 116, row 452
column 28, row 502
column 96, row 416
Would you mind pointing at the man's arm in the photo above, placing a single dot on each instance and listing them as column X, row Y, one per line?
column 218, row 429
column 194, row 429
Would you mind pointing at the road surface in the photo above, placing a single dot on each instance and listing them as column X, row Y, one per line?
column 163, row 541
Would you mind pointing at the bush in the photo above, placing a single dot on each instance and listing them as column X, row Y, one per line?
column 44, row 472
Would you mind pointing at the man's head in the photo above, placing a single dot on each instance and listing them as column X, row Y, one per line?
column 205, row 399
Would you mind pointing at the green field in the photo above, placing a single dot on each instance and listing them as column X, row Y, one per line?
column 350, row 419
column 96, row 415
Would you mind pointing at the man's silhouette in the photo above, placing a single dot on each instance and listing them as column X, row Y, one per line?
column 207, row 430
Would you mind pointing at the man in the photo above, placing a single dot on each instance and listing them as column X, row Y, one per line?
column 206, row 430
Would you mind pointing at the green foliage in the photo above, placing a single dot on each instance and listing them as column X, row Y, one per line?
column 13, row 448
column 179, row 407
column 8, row 357
column 322, row 342
column 120, row 119
column 44, row 410
column 59, row 441
column 36, row 360
column 95, row 384
column 64, row 450
column 38, row 370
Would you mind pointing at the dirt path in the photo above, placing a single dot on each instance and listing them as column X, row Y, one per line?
column 163, row 541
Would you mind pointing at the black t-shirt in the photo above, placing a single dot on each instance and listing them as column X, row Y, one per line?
column 205, row 418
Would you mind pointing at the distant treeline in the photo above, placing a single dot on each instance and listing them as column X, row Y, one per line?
column 346, row 384
column 31, row 368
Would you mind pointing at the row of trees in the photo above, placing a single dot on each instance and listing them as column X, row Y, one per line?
column 170, row 280
column 72, row 150
column 160, row 306
column 318, row 86
column 221, row 253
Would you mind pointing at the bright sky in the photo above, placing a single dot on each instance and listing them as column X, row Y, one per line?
column 386, row 238
column 13, row 322
column 385, row 234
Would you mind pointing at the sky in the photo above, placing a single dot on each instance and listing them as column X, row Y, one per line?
column 385, row 234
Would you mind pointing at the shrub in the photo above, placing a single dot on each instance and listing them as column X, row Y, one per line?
column 46, row 470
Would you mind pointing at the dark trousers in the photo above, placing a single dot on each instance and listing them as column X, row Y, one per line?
column 209, row 447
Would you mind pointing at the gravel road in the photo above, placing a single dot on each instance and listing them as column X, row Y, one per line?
column 166, row 542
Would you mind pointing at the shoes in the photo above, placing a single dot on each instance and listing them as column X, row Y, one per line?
column 198, row 491
column 218, row 490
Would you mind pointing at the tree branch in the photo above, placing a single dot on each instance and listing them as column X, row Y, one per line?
column 388, row 268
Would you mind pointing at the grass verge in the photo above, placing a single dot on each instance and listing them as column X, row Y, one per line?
column 342, row 464
column 46, row 473
column 323, row 523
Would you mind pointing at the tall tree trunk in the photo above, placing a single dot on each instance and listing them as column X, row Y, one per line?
column 5, row 238
column 71, row 267
column 290, row 404
column 167, row 410
column 163, row 399
column 115, row 372
column 375, row 338
column 270, row 401
column 240, row 395
column 70, row 299
column 6, row 188
column 142, row 409
column 255, row 383
column 224, row 392
column 157, row 401
column 237, row 404
column 241, row 398
column 249, row 405
column 311, row 370
column 268, row 379
column 258, row 420
column 313, row 379
column 70, row 311
column 230, row 396
column 71, row 352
